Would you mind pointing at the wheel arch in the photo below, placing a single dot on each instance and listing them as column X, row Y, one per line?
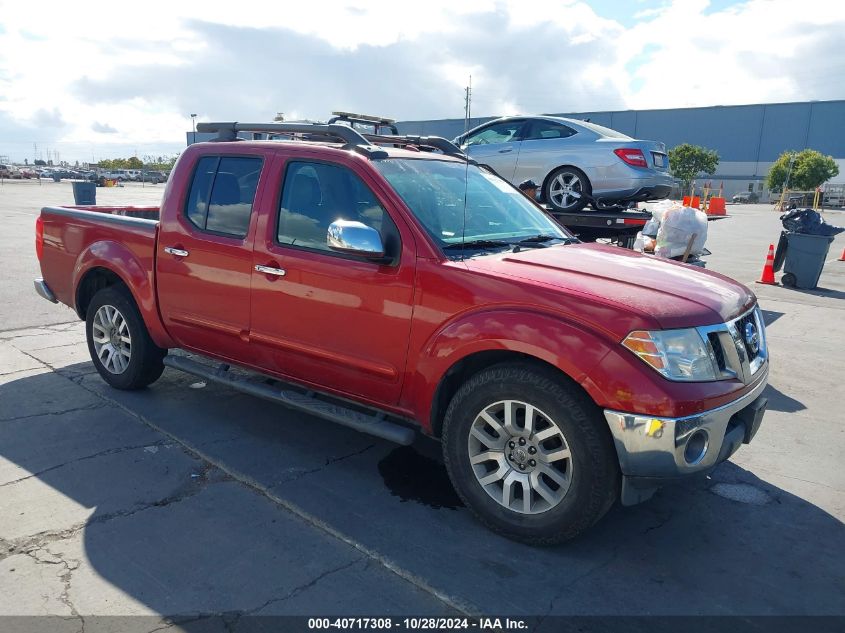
column 551, row 172
column 107, row 263
column 463, row 369
column 93, row 280
column 487, row 337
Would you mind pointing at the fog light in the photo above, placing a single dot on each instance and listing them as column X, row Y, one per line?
column 696, row 447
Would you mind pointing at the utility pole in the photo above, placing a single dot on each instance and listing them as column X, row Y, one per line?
column 468, row 104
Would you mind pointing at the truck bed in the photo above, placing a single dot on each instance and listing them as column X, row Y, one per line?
column 145, row 213
column 79, row 238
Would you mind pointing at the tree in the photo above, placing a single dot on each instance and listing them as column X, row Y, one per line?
column 134, row 163
column 810, row 169
column 688, row 161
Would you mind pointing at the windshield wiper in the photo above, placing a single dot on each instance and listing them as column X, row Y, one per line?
column 478, row 244
column 539, row 239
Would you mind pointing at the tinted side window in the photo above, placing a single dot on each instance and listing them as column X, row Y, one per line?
column 222, row 194
column 504, row 132
column 197, row 208
column 316, row 194
column 548, row 129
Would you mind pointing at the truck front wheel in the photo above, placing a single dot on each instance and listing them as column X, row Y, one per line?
column 529, row 455
column 120, row 346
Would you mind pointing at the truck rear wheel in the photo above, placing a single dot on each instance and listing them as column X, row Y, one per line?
column 529, row 455
column 119, row 343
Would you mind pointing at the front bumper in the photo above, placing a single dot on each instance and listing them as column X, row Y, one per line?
column 654, row 450
column 44, row 291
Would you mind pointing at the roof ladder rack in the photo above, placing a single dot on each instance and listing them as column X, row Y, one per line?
column 435, row 142
column 228, row 131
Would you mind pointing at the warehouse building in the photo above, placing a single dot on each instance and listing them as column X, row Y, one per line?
column 748, row 138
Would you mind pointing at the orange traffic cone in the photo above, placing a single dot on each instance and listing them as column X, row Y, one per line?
column 842, row 259
column 768, row 276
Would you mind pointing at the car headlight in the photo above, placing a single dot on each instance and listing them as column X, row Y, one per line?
column 676, row 354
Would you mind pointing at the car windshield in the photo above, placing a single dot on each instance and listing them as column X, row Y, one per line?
column 496, row 212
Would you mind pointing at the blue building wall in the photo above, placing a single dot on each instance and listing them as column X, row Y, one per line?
column 747, row 133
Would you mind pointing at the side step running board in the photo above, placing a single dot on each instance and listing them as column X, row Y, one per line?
column 374, row 424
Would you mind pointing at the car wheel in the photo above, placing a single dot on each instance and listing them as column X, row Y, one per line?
column 567, row 189
column 530, row 456
column 119, row 343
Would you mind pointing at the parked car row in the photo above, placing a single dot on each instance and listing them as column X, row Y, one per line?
column 136, row 175
column 60, row 173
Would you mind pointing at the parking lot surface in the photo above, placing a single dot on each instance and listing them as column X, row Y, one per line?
column 187, row 499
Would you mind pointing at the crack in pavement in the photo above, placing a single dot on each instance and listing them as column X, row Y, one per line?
column 40, row 540
column 37, row 327
column 298, row 590
column 109, row 451
column 661, row 521
column 456, row 604
column 329, row 462
column 90, row 407
column 613, row 556
column 11, row 341
column 70, row 566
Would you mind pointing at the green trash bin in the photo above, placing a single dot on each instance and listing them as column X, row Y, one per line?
column 804, row 261
column 85, row 193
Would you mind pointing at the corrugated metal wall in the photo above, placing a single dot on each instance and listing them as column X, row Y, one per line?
column 746, row 134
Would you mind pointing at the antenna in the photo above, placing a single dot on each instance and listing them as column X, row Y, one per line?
column 467, row 104
column 467, row 114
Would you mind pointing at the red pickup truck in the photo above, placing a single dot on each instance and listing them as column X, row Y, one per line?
column 391, row 285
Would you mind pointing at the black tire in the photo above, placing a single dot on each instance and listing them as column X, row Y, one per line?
column 789, row 280
column 145, row 364
column 593, row 467
column 584, row 188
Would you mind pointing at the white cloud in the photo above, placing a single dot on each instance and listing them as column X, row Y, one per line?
column 68, row 77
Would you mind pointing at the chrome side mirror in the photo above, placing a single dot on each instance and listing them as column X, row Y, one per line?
column 355, row 238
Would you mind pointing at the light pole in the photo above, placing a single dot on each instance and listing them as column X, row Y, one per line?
column 193, row 129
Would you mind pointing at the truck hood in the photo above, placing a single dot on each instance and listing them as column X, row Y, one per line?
column 675, row 295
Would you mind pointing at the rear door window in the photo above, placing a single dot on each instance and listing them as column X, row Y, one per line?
column 541, row 130
column 222, row 194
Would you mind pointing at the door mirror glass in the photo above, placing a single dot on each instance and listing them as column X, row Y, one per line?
column 355, row 238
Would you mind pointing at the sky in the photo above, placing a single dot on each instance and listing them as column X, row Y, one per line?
column 91, row 80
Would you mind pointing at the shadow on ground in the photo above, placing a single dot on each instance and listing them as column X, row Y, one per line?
column 180, row 535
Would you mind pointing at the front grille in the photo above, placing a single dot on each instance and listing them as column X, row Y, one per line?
column 740, row 328
column 732, row 354
column 718, row 352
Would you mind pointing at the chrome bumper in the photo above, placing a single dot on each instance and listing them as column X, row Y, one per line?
column 652, row 449
column 43, row 290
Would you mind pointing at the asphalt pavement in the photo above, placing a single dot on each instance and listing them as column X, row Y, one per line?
column 189, row 499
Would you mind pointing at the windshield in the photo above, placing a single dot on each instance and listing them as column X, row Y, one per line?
column 495, row 210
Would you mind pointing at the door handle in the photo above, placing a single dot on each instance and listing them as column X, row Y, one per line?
column 176, row 252
column 269, row 270
column 506, row 150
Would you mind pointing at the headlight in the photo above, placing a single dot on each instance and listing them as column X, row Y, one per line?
column 677, row 354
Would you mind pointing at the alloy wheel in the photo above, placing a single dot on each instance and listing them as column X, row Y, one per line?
column 112, row 340
column 566, row 190
column 520, row 457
